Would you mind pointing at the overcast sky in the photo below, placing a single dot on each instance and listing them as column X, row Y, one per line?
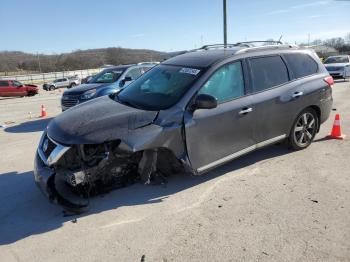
column 166, row 25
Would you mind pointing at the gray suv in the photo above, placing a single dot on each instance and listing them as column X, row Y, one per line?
column 191, row 113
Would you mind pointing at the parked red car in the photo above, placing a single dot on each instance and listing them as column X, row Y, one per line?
column 15, row 88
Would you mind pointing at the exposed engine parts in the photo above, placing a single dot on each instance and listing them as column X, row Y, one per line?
column 87, row 170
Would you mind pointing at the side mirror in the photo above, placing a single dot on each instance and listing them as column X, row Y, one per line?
column 204, row 101
column 123, row 81
column 127, row 79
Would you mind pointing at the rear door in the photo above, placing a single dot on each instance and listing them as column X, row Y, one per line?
column 213, row 136
column 5, row 89
column 275, row 98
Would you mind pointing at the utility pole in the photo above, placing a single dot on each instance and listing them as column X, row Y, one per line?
column 39, row 61
column 225, row 22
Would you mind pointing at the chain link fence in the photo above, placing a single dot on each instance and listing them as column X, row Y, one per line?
column 49, row 77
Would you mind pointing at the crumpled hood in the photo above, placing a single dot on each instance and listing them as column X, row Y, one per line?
column 78, row 90
column 96, row 121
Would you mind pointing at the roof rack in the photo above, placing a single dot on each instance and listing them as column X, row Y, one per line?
column 238, row 44
column 251, row 43
column 147, row 63
column 265, row 47
column 207, row 47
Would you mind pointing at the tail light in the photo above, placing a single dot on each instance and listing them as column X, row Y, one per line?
column 329, row 80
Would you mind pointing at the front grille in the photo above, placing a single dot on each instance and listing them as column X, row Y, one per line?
column 48, row 146
column 69, row 101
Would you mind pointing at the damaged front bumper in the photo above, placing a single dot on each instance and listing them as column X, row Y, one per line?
column 69, row 175
column 47, row 181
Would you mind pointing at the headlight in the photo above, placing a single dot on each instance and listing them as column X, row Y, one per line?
column 88, row 94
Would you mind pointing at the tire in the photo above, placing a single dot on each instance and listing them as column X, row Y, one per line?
column 51, row 88
column 304, row 129
column 72, row 85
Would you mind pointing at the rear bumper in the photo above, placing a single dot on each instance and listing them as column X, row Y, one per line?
column 326, row 107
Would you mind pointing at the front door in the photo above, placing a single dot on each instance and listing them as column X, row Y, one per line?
column 18, row 89
column 214, row 136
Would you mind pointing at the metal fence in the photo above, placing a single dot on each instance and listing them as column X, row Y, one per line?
column 49, row 77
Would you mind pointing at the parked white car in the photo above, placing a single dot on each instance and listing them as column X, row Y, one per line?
column 338, row 66
column 64, row 82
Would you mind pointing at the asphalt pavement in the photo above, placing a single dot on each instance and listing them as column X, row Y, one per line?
column 271, row 205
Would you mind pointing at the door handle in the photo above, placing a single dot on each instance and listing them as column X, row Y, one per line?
column 245, row 111
column 297, row 94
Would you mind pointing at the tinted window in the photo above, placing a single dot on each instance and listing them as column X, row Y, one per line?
column 268, row 72
column 4, row 83
column 226, row 83
column 133, row 73
column 16, row 83
column 301, row 65
column 336, row 59
column 107, row 76
column 159, row 88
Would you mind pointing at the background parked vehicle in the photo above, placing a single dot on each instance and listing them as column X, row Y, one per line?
column 66, row 82
column 338, row 66
column 194, row 112
column 106, row 82
column 16, row 88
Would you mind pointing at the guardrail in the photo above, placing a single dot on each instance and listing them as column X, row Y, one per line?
column 49, row 77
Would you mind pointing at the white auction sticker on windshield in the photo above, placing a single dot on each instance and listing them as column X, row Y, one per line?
column 191, row 71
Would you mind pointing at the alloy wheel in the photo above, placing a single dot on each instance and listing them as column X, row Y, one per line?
column 305, row 129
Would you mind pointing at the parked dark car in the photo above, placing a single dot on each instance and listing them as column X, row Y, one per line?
column 191, row 113
column 16, row 88
column 108, row 81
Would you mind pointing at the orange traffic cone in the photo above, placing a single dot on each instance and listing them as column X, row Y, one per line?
column 336, row 131
column 43, row 111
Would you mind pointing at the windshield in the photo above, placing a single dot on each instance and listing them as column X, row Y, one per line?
column 336, row 59
column 106, row 76
column 159, row 88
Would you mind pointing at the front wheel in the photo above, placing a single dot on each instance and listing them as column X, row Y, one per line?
column 304, row 129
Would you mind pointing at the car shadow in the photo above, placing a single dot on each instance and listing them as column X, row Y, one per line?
column 29, row 126
column 25, row 211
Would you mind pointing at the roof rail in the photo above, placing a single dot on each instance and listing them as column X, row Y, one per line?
column 238, row 44
column 147, row 63
column 265, row 47
column 251, row 43
column 207, row 47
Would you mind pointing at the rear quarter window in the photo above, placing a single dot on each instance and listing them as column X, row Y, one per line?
column 301, row 65
column 268, row 72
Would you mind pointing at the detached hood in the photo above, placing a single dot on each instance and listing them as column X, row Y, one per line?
column 78, row 90
column 96, row 121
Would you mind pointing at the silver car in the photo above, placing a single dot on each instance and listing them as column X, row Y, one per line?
column 338, row 66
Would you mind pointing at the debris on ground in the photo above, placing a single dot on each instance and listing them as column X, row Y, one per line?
column 143, row 258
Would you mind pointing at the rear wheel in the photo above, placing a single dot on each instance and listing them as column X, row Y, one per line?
column 72, row 85
column 304, row 129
